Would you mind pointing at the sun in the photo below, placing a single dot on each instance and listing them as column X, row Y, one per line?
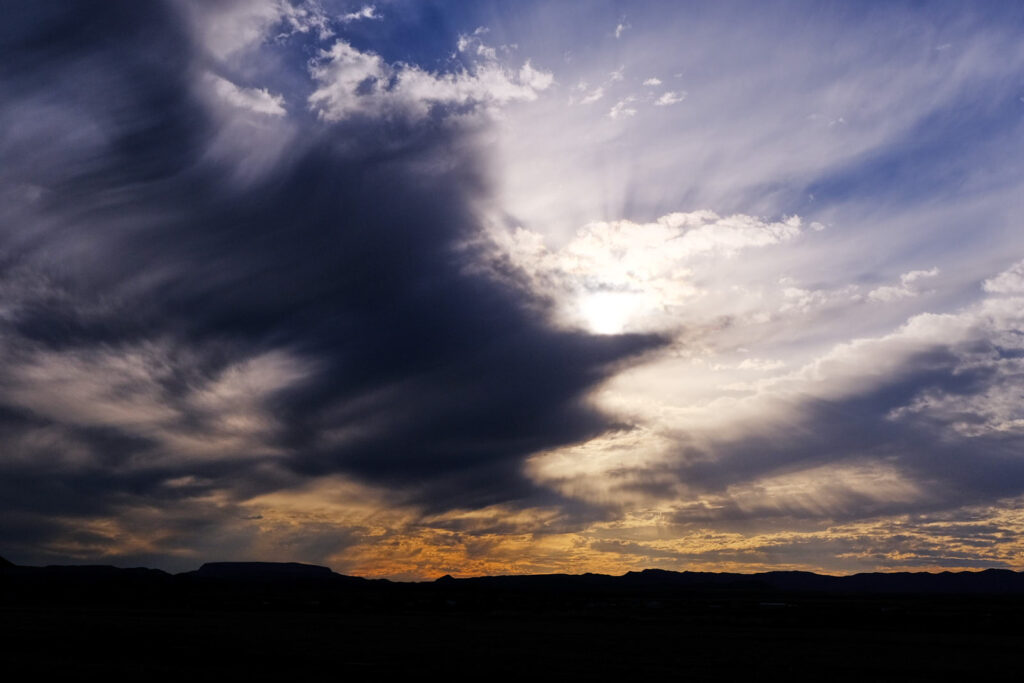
column 607, row 312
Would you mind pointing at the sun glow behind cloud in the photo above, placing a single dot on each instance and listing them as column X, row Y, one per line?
column 608, row 312
column 622, row 276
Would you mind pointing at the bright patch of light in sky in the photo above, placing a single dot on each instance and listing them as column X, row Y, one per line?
column 607, row 312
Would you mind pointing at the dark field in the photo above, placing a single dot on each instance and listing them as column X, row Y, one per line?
column 272, row 629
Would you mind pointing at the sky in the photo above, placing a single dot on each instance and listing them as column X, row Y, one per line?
column 416, row 287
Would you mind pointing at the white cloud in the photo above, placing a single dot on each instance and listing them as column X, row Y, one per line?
column 760, row 364
column 623, row 109
column 620, row 28
column 94, row 388
column 997, row 354
column 982, row 338
column 348, row 77
column 890, row 293
column 593, row 96
column 229, row 27
column 606, row 468
column 474, row 45
column 367, row 12
column 233, row 26
column 670, row 98
column 905, row 290
column 995, row 410
column 305, row 17
column 534, row 78
column 129, row 388
column 257, row 100
column 252, row 133
column 1010, row 281
column 352, row 82
column 651, row 82
column 805, row 300
column 915, row 275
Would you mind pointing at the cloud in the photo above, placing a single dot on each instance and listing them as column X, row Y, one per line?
column 920, row 420
column 760, row 364
column 618, row 275
column 593, row 96
column 906, row 289
column 474, row 45
column 179, row 344
column 803, row 300
column 651, row 82
column 623, row 109
column 257, row 100
column 1010, row 281
column 231, row 27
column 767, row 145
column 254, row 304
column 669, row 98
column 367, row 12
column 352, row 82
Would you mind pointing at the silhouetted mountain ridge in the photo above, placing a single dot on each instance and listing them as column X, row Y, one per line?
column 289, row 619
column 263, row 570
column 307, row 576
column 989, row 581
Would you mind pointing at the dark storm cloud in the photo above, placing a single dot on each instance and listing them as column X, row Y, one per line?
column 123, row 233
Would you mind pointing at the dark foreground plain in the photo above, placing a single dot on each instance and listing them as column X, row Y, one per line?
column 268, row 621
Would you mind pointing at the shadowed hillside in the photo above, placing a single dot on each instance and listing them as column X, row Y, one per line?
column 294, row 619
column 282, row 578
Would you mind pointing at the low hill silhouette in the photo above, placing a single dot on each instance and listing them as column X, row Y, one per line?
column 262, row 571
column 986, row 582
column 260, row 619
column 283, row 575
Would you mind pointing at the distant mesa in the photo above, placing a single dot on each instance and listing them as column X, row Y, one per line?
column 310, row 577
column 987, row 582
column 263, row 571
